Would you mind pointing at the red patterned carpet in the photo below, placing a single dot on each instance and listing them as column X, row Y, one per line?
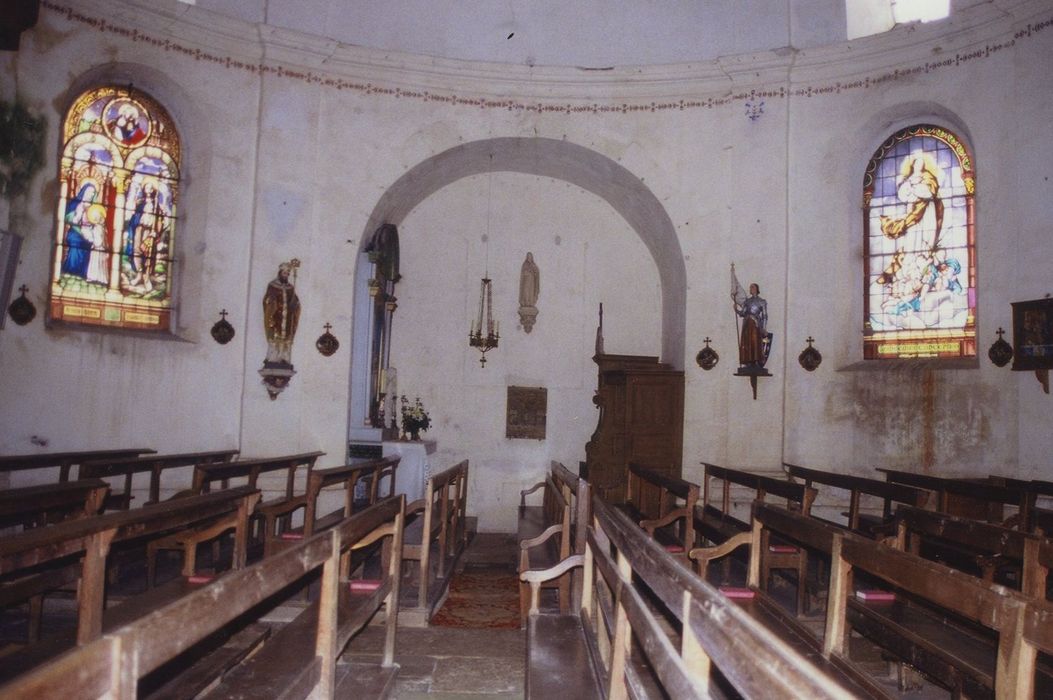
column 481, row 599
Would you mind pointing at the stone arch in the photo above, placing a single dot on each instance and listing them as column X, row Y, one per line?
column 561, row 160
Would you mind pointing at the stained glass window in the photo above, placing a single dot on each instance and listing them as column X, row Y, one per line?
column 115, row 230
column 920, row 247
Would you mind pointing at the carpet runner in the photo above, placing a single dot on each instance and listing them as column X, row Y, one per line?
column 481, row 598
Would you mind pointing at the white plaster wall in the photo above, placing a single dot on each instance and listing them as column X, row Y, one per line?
column 287, row 167
column 586, row 255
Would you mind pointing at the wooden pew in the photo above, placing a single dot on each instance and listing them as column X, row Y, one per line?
column 347, row 478
column 436, row 536
column 1004, row 663
column 857, row 487
column 920, row 625
column 37, row 506
column 755, row 601
column 974, row 499
column 205, row 475
column 676, row 505
column 301, row 659
column 635, row 598
column 33, row 506
column 64, row 461
column 1041, row 518
column 718, row 524
column 976, row 547
column 92, row 539
column 546, row 533
column 154, row 464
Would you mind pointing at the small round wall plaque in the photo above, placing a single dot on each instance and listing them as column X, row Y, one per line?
column 222, row 331
column 707, row 358
column 810, row 358
column 1000, row 352
column 21, row 309
column 327, row 343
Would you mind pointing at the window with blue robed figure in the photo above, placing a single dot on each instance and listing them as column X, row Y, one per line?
column 114, row 261
column 920, row 247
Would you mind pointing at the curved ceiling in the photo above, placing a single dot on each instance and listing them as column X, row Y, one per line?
column 584, row 33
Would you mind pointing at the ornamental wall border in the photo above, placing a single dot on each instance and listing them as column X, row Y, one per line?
column 269, row 51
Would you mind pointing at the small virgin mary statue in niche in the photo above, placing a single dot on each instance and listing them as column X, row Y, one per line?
column 529, row 289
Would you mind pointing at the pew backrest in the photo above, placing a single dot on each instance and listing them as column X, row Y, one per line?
column 49, row 503
column 762, row 485
column 153, row 464
column 1031, row 552
column 65, row 461
column 980, row 491
column 250, row 469
column 889, row 492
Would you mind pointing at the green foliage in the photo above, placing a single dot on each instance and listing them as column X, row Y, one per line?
column 21, row 147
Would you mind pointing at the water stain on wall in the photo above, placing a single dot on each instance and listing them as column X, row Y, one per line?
column 912, row 418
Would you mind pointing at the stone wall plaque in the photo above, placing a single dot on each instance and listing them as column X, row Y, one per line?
column 526, row 412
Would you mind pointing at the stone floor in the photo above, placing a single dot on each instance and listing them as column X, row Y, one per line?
column 456, row 664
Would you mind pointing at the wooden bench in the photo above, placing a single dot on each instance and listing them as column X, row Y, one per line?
column 977, row 547
column 717, row 523
column 436, row 536
column 205, row 475
column 649, row 628
column 347, row 477
column 546, row 533
column 48, row 553
column 34, row 506
column 153, row 464
column 976, row 499
column 38, row 506
column 857, row 486
column 299, row 660
column 935, row 621
column 765, row 609
column 64, row 461
column 676, row 500
column 1004, row 662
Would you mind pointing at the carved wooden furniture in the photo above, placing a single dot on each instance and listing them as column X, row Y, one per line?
column 641, row 421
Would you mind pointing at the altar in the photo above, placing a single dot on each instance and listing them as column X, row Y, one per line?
column 414, row 468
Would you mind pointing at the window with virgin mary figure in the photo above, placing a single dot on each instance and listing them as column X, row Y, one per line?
column 919, row 247
column 113, row 261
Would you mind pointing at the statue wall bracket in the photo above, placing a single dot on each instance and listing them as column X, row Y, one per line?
column 753, row 372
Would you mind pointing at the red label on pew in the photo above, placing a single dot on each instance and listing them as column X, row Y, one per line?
column 876, row 596
column 782, row 549
column 674, row 548
column 200, row 578
column 363, row 585
column 741, row 593
column 292, row 535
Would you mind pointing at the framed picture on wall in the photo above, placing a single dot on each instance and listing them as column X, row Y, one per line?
column 1033, row 334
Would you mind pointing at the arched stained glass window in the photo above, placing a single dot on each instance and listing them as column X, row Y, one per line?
column 919, row 247
column 115, row 231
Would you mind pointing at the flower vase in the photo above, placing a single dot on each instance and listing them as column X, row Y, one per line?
column 414, row 434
